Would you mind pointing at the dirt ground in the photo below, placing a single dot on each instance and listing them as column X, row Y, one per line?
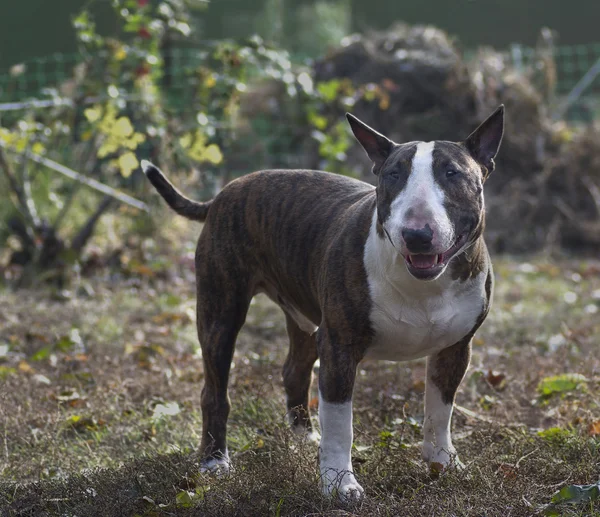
column 100, row 405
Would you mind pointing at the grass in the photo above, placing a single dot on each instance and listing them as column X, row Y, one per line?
column 86, row 375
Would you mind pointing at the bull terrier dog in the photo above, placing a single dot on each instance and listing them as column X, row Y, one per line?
column 394, row 272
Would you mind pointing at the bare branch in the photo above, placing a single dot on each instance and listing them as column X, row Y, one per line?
column 86, row 231
column 92, row 183
column 23, row 205
column 73, row 192
column 593, row 190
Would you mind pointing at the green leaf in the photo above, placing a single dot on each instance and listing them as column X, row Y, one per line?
column 64, row 344
column 555, row 434
column 185, row 499
column 107, row 148
column 384, row 438
column 81, row 424
column 329, row 89
column 560, row 384
column 93, row 114
column 577, row 494
column 127, row 164
column 573, row 494
column 213, row 154
column 42, row 353
column 122, row 128
column 317, row 120
column 5, row 371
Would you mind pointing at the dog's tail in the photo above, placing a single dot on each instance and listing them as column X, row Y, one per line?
column 176, row 200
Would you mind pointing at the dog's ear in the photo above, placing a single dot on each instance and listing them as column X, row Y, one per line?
column 377, row 146
column 484, row 142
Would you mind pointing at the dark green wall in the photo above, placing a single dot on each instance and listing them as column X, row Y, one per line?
column 492, row 22
column 34, row 28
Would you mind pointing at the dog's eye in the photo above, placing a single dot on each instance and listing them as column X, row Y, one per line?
column 452, row 172
column 394, row 174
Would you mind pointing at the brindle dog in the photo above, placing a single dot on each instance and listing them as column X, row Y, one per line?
column 395, row 272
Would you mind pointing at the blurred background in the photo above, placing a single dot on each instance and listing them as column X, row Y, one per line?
column 211, row 90
column 99, row 359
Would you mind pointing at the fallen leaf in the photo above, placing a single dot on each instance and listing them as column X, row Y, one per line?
column 81, row 424
column 594, row 429
column 508, row 470
column 42, row 353
column 389, row 85
column 185, row 498
column 25, row 367
column 5, row 371
column 560, row 384
column 496, row 379
column 572, row 494
column 41, row 379
column 164, row 410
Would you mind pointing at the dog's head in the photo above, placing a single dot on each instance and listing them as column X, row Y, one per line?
column 430, row 194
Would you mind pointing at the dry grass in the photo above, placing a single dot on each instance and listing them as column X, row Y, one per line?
column 138, row 349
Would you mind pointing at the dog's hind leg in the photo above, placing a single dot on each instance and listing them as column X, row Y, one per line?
column 445, row 371
column 221, row 313
column 297, row 377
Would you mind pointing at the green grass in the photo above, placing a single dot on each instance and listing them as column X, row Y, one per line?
column 137, row 349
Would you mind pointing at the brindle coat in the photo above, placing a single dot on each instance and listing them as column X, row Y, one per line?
column 299, row 236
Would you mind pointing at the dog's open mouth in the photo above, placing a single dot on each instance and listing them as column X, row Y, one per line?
column 426, row 266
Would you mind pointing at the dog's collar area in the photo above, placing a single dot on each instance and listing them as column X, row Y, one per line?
column 428, row 266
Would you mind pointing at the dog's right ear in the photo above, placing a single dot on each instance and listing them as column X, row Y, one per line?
column 377, row 146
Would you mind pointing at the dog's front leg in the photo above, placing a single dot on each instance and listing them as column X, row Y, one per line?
column 336, row 381
column 445, row 371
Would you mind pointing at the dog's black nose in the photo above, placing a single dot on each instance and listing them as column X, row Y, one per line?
column 418, row 241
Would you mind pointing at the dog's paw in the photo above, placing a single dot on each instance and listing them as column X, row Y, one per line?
column 314, row 437
column 440, row 458
column 344, row 487
column 216, row 466
column 427, row 451
column 303, row 434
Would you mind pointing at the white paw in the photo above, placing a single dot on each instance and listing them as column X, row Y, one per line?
column 440, row 458
column 313, row 437
column 216, row 466
column 302, row 434
column 344, row 486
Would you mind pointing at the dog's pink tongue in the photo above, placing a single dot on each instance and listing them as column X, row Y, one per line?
column 423, row 261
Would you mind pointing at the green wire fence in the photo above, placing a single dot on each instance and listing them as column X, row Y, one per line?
column 44, row 81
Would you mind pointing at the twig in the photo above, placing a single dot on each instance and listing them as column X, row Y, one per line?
column 472, row 414
column 26, row 182
column 23, row 206
column 525, row 456
column 72, row 193
column 593, row 190
column 92, row 183
column 6, row 445
column 84, row 234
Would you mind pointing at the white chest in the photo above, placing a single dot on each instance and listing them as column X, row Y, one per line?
column 412, row 327
column 412, row 318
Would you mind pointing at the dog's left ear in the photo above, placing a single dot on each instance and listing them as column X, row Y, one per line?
column 377, row 146
column 484, row 142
